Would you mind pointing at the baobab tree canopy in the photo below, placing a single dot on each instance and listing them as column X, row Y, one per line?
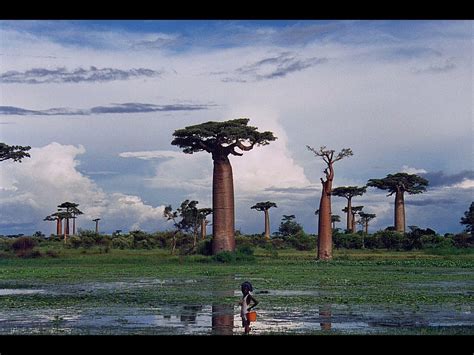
column 349, row 191
column 15, row 152
column 220, row 138
column 262, row 206
column 401, row 182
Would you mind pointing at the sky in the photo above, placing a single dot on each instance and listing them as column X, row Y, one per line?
column 98, row 102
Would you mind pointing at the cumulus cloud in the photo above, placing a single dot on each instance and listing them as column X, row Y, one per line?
column 273, row 67
column 78, row 75
column 129, row 107
column 31, row 190
column 410, row 170
column 440, row 178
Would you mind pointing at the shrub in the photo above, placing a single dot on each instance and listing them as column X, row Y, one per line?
column 52, row 253
column 29, row 253
column 23, row 243
column 204, row 247
column 390, row 239
column 463, row 240
column 225, row 257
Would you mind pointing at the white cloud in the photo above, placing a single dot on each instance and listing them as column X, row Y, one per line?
column 31, row 190
column 465, row 184
column 410, row 170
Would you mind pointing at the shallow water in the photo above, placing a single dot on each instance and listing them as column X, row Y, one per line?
column 221, row 318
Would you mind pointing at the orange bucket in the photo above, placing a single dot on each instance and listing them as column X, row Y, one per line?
column 252, row 316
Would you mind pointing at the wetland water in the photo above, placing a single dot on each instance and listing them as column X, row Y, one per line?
column 210, row 306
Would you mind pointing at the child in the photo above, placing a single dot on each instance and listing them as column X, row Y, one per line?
column 245, row 307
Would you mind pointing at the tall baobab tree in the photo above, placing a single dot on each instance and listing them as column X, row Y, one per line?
column 324, row 229
column 15, row 152
column 221, row 139
column 96, row 225
column 348, row 192
column 398, row 184
column 75, row 212
column 365, row 218
column 265, row 206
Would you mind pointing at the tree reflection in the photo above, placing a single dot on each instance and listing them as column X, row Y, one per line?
column 325, row 316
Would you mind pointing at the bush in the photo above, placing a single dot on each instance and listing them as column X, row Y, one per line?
column 463, row 240
column 390, row 239
column 23, row 244
column 28, row 254
column 302, row 241
column 52, row 253
column 348, row 241
column 225, row 257
column 204, row 247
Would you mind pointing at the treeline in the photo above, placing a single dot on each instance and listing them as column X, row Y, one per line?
column 416, row 239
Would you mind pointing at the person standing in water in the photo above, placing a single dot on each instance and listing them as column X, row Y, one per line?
column 245, row 306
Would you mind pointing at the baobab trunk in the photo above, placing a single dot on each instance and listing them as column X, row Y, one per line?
column 267, row 225
column 353, row 229
column 325, row 230
column 223, row 207
column 349, row 214
column 203, row 229
column 74, row 226
column 96, row 227
column 59, row 229
column 399, row 212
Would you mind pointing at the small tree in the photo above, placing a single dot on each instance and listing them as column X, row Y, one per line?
column 288, row 226
column 348, row 192
column 468, row 219
column 96, row 225
column 354, row 211
column 169, row 214
column 265, row 206
column 365, row 218
column 324, row 225
column 202, row 214
column 398, row 184
column 14, row 152
column 334, row 219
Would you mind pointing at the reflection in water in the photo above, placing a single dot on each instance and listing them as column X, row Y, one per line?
column 189, row 313
column 222, row 319
column 325, row 316
column 223, row 313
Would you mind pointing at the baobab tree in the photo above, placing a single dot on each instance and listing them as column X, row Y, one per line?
column 68, row 208
column 398, row 184
column 202, row 214
column 50, row 219
column 334, row 219
column 324, row 225
column 221, row 139
column 96, row 225
column 75, row 212
column 348, row 192
column 265, row 206
column 365, row 218
column 14, row 152
column 354, row 211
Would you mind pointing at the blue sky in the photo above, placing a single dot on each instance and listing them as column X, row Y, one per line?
column 99, row 100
